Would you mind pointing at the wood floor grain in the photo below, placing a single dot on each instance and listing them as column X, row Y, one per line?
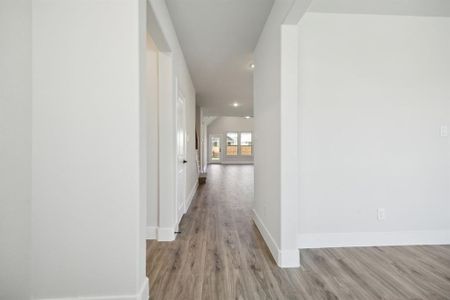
column 221, row 255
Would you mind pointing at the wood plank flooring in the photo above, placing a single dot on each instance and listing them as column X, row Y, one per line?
column 221, row 255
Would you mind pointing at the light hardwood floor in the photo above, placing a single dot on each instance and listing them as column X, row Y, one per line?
column 221, row 255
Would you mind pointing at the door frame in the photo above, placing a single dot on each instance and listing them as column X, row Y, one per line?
column 162, row 228
column 180, row 206
column 210, row 136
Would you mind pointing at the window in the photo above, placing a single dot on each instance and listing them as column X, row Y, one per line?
column 232, row 144
column 239, row 144
column 246, row 143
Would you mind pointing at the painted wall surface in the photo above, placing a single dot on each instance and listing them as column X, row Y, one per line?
column 87, row 229
column 198, row 125
column 204, row 140
column 221, row 126
column 180, row 79
column 191, row 169
column 152, row 131
column 267, row 90
column 15, row 148
column 374, row 93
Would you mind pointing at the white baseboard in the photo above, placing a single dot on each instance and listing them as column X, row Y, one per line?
column 143, row 294
column 186, row 204
column 283, row 258
column 180, row 212
column 372, row 239
column 151, row 232
column 190, row 197
column 237, row 162
column 166, row 234
column 273, row 247
column 289, row 258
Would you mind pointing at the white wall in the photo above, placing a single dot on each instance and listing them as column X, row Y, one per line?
column 223, row 125
column 266, row 106
column 191, row 168
column 275, row 103
column 15, row 148
column 198, row 128
column 203, row 140
column 178, row 76
column 152, row 132
column 87, row 197
column 374, row 92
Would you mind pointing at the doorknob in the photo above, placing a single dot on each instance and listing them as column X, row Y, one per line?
column 184, row 161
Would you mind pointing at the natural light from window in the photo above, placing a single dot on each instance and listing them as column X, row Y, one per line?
column 232, row 144
column 246, row 144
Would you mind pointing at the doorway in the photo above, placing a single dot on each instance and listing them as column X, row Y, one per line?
column 215, row 149
column 160, row 116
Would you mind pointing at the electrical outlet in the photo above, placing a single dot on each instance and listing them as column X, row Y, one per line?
column 381, row 214
column 444, row 130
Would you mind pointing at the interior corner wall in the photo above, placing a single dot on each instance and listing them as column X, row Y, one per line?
column 198, row 125
column 203, row 141
column 87, row 200
column 222, row 125
column 374, row 93
column 267, row 120
column 200, row 131
column 152, row 108
column 15, row 148
column 191, row 169
column 180, row 78
column 142, row 284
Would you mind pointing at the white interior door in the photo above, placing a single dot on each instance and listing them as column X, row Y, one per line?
column 181, row 155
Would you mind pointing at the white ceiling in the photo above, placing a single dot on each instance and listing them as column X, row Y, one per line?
column 438, row 8
column 218, row 38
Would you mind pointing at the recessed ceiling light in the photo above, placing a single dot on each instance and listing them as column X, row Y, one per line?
column 247, row 117
column 235, row 104
column 252, row 66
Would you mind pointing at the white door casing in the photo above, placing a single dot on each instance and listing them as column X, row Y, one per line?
column 181, row 160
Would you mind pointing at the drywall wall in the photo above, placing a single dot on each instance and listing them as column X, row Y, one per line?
column 267, row 123
column 436, row 8
column 88, row 199
column 275, row 106
column 140, row 258
column 374, row 92
column 202, row 132
column 15, row 148
column 191, row 168
column 198, row 124
column 175, row 72
column 203, row 140
column 151, row 109
column 221, row 126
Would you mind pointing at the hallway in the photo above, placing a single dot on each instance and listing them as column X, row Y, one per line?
column 221, row 255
